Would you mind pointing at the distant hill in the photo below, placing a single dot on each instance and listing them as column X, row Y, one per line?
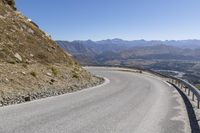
column 175, row 56
column 98, row 52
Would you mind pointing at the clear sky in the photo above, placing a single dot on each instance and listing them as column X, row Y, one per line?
column 125, row 19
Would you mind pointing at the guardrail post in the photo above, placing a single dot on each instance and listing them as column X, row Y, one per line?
column 192, row 96
column 188, row 92
column 185, row 85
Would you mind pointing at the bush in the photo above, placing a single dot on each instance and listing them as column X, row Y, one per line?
column 25, row 65
column 75, row 75
column 33, row 74
column 11, row 3
column 41, row 56
column 198, row 87
column 55, row 71
column 12, row 62
column 70, row 62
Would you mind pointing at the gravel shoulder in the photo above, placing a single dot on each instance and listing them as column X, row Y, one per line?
column 19, row 83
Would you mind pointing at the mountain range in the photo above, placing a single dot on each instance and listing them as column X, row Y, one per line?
column 100, row 52
column 181, row 56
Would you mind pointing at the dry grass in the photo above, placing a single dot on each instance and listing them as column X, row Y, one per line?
column 15, row 78
column 55, row 71
column 198, row 87
column 22, row 37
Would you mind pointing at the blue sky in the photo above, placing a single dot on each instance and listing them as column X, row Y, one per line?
column 125, row 19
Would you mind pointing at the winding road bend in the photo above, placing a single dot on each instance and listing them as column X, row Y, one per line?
column 127, row 102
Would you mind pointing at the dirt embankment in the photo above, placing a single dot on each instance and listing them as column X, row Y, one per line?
column 32, row 65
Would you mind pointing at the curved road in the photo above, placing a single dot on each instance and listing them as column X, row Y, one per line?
column 127, row 103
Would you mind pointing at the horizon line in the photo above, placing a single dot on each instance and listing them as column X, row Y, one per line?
column 127, row 40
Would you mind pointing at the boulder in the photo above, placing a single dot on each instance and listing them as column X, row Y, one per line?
column 17, row 56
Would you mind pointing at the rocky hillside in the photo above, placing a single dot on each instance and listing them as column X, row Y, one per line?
column 21, row 38
column 31, row 64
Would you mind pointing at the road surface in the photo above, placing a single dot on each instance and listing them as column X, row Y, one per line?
column 126, row 103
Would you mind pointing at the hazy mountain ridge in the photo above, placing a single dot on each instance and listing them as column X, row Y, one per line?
column 190, row 43
column 183, row 55
column 139, row 49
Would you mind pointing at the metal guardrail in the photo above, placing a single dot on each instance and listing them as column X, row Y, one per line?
column 182, row 84
column 189, row 88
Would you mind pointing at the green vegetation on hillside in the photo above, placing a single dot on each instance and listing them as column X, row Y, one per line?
column 198, row 87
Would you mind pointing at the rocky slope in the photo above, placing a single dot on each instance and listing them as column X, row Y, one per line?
column 32, row 66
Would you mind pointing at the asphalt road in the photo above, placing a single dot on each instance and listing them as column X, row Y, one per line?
column 127, row 103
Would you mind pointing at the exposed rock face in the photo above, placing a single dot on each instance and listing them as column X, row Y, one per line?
column 31, row 64
column 11, row 3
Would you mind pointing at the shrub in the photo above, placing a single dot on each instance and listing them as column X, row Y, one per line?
column 55, row 71
column 33, row 74
column 25, row 65
column 70, row 62
column 42, row 56
column 198, row 87
column 11, row 3
column 75, row 75
column 11, row 61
